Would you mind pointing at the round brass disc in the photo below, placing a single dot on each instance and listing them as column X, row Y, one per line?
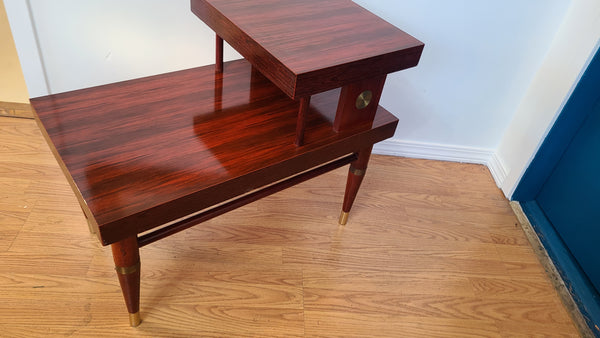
column 363, row 100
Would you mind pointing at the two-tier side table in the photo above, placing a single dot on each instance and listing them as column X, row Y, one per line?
column 153, row 156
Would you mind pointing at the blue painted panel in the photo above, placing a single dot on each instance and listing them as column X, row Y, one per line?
column 560, row 193
column 578, row 107
column 570, row 198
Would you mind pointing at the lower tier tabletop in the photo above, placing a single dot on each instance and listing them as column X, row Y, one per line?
column 145, row 152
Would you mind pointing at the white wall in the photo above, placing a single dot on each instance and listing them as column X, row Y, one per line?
column 12, row 84
column 479, row 60
column 571, row 50
column 26, row 43
column 92, row 42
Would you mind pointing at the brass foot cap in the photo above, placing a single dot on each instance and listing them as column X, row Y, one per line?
column 343, row 218
column 134, row 319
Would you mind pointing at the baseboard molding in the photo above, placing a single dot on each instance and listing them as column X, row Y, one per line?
column 442, row 152
column 497, row 169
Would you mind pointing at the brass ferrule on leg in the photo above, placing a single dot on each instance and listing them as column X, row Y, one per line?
column 134, row 319
column 125, row 270
column 357, row 172
column 343, row 218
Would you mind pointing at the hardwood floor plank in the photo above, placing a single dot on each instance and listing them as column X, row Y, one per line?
column 387, row 282
column 509, row 237
column 188, row 291
column 223, row 321
column 510, row 329
column 344, row 324
column 416, row 229
column 484, row 219
column 15, row 207
column 513, row 288
column 28, row 168
column 42, row 263
column 516, row 253
column 377, row 259
column 47, row 243
column 9, row 231
column 433, row 306
column 16, row 109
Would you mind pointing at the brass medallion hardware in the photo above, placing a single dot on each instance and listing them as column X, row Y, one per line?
column 363, row 99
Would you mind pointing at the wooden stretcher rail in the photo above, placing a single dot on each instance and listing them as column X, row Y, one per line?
column 241, row 201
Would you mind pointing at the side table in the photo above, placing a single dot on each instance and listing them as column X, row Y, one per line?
column 153, row 156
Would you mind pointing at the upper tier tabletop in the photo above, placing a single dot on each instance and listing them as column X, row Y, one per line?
column 310, row 46
column 145, row 152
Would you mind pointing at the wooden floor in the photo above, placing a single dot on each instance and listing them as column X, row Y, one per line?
column 13, row 109
column 431, row 249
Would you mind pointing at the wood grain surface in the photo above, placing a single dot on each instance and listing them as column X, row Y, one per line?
column 145, row 152
column 426, row 253
column 310, row 46
column 16, row 109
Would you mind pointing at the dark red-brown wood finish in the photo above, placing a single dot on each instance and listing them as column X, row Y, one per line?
column 218, row 54
column 126, row 255
column 349, row 113
column 310, row 46
column 183, row 147
column 145, row 152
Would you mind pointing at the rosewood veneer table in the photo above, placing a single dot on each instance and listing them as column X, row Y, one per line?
column 153, row 156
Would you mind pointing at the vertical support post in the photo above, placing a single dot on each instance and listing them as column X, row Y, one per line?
column 301, row 124
column 255, row 77
column 219, row 55
column 126, row 255
column 218, row 99
column 356, row 173
column 358, row 103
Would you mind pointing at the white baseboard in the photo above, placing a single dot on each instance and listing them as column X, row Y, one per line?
column 498, row 170
column 442, row 152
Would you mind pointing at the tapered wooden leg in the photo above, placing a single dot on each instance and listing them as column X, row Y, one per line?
column 219, row 55
column 301, row 123
column 356, row 173
column 126, row 254
column 218, row 100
